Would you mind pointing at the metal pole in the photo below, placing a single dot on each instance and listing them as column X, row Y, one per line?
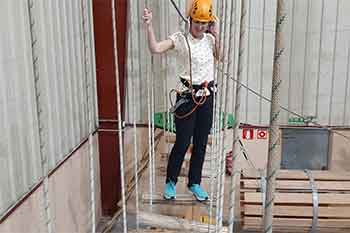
column 274, row 156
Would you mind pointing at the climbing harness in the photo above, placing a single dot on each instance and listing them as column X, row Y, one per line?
column 201, row 12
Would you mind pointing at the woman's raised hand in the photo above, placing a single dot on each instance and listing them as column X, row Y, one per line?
column 147, row 16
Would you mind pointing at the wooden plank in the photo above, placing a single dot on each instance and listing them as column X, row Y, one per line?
column 300, row 175
column 156, row 231
column 181, row 199
column 301, row 185
column 294, row 222
column 297, row 198
column 295, row 229
column 173, row 223
column 338, row 212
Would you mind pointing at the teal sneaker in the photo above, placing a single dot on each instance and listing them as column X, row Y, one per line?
column 169, row 191
column 198, row 192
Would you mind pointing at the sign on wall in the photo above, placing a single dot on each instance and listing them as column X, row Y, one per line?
column 248, row 134
column 261, row 134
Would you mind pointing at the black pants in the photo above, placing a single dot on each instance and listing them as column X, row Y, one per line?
column 196, row 125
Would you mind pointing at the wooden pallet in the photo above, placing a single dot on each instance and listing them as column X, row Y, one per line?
column 294, row 206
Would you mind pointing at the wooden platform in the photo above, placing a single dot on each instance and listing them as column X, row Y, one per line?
column 293, row 210
column 295, row 205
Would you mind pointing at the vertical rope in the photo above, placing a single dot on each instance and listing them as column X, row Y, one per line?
column 237, row 114
column 215, row 161
column 262, row 60
column 136, row 159
column 120, row 136
column 152, row 83
column 333, row 64
column 319, row 59
column 274, row 156
column 306, row 55
column 138, row 9
column 217, row 108
column 90, row 118
column 346, row 98
column 248, row 59
column 224, row 101
column 42, row 134
column 167, row 120
column 152, row 126
column 150, row 151
column 291, row 55
column 134, row 119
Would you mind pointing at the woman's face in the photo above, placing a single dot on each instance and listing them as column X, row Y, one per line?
column 198, row 28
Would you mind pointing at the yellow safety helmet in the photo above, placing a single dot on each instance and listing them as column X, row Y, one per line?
column 202, row 11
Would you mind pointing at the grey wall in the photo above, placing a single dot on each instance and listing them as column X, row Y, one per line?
column 61, row 84
column 315, row 62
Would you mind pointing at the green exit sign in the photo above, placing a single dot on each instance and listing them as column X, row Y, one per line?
column 301, row 120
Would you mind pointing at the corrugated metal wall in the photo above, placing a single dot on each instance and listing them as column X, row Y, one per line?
column 315, row 62
column 61, row 82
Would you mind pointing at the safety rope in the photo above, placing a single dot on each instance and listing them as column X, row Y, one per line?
column 223, row 105
column 136, row 159
column 319, row 57
column 215, row 158
column 169, row 117
column 152, row 126
column 237, row 112
column 178, row 11
column 149, row 111
column 217, row 125
column 152, row 83
column 42, row 128
column 120, row 135
column 330, row 114
column 274, row 155
column 134, row 119
column 262, row 58
column 306, row 54
column 89, row 117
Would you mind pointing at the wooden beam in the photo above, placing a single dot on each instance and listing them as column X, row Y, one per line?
column 301, row 175
column 173, row 223
column 181, row 199
column 157, row 231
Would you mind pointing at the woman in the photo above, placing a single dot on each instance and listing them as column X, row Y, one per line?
column 193, row 118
